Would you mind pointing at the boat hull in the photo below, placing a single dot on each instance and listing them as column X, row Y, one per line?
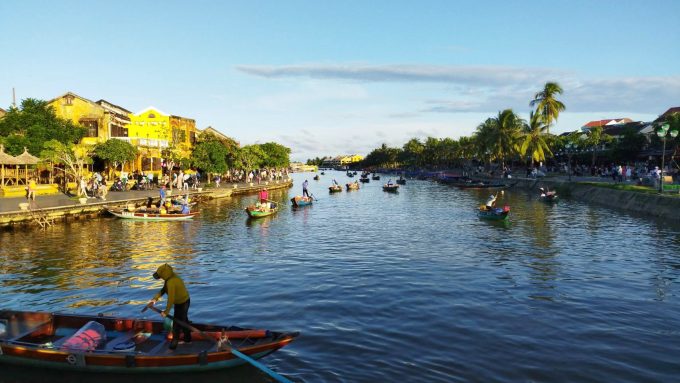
column 336, row 189
column 254, row 213
column 391, row 188
column 146, row 216
column 36, row 339
column 299, row 202
column 494, row 214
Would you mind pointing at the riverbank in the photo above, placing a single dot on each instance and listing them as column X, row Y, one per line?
column 47, row 210
column 664, row 206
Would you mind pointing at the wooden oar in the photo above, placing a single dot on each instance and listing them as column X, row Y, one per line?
column 234, row 351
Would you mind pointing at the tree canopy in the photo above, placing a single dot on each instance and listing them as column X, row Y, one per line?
column 33, row 124
column 115, row 152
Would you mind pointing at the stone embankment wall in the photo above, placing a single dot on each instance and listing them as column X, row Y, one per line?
column 655, row 205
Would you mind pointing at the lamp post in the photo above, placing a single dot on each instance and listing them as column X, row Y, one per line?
column 570, row 148
column 663, row 133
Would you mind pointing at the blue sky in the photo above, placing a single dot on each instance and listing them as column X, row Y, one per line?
column 327, row 78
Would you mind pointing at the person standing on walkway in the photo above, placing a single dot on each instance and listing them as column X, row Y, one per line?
column 178, row 296
column 30, row 189
column 305, row 193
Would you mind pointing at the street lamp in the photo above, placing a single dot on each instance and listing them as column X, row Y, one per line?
column 663, row 133
column 570, row 149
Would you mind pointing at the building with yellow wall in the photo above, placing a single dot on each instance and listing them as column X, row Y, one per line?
column 149, row 130
column 84, row 112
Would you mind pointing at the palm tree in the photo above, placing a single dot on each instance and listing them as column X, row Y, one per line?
column 534, row 141
column 499, row 135
column 547, row 105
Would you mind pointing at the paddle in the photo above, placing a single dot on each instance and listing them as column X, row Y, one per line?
column 314, row 197
column 234, row 351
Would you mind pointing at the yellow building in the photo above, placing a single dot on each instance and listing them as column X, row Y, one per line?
column 183, row 134
column 149, row 130
column 84, row 112
column 346, row 160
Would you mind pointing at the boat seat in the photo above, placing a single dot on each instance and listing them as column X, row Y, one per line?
column 120, row 339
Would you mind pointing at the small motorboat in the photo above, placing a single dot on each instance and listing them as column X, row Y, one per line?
column 352, row 186
column 393, row 188
column 262, row 210
column 118, row 345
column 334, row 188
column 150, row 214
column 299, row 201
column 494, row 213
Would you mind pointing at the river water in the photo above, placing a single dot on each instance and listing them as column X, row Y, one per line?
column 405, row 287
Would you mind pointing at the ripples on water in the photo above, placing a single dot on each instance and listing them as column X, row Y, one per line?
column 389, row 287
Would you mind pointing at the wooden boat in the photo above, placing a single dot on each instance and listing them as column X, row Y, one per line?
column 548, row 196
column 401, row 181
column 334, row 188
column 376, row 177
column 299, row 201
column 391, row 188
column 322, row 173
column 350, row 174
column 258, row 211
column 103, row 344
column 150, row 215
column 352, row 186
column 316, row 177
column 364, row 179
column 495, row 214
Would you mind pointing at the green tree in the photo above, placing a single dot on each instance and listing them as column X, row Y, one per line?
column 115, row 152
column 498, row 136
column 250, row 157
column 277, row 155
column 383, row 156
column 412, row 152
column 547, row 105
column 534, row 141
column 73, row 157
column 595, row 138
column 210, row 156
column 628, row 145
column 33, row 124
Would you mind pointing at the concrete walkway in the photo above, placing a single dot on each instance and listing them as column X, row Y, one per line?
column 63, row 200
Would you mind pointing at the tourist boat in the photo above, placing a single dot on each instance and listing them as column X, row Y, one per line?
column 548, row 196
column 495, row 214
column 391, row 188
column 299, row 201
column 376, row 177
column 103, row 344
column 401, row 181
column 364, row 179
column 316, row 177
column 352, row 186
column 150, row 215
column 259, row 211
column 349, row 174
column 334, row 188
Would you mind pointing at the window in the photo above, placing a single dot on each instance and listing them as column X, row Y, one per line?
column 92, row 127
column 118, row 131
column 69, row 99
column 151, row 115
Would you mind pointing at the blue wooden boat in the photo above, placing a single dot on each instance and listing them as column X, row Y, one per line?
column 299, row 201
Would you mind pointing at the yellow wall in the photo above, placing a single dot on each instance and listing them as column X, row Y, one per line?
column 150, row 124
column 182, row 129
column 78, row 110
column 351, row 159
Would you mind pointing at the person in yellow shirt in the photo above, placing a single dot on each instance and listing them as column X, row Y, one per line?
column 178, row 295
column 31, row 189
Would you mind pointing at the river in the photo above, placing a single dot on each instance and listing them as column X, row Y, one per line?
column 403, row 287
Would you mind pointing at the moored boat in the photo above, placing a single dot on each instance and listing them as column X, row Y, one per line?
column 83, row 343
column 299, row 201
column 262, row 210
column 494, row 213
column 150, row 215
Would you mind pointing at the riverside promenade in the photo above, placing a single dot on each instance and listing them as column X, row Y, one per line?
column 47, row 209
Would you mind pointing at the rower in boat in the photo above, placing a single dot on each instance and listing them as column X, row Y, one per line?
column 491, row 202
column 178, row 295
